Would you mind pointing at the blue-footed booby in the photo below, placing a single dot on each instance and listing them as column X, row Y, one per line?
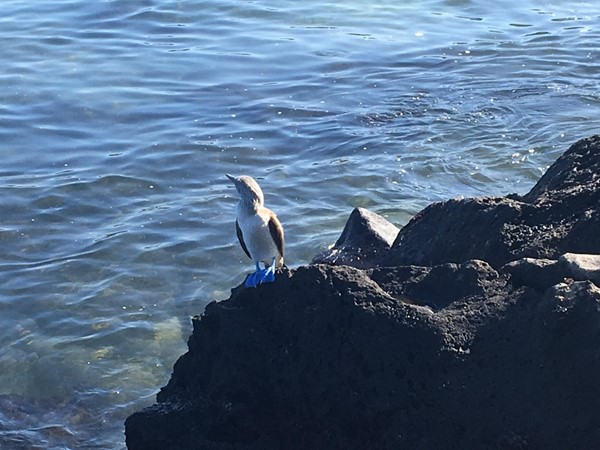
column 259, row 231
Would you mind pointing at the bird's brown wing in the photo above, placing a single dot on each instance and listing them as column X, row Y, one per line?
column 277, row 233
column 240, row 237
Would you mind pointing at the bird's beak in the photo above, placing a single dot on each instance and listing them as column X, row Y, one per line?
column 231, row 177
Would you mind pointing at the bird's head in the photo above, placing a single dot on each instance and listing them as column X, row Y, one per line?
column 249, row 190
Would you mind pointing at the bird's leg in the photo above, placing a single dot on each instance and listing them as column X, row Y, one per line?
column 268, row 275
column 254, row 279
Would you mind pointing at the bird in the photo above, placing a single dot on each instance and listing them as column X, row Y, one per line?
column 259, row 231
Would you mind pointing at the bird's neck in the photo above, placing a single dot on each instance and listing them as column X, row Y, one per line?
column 248, row 207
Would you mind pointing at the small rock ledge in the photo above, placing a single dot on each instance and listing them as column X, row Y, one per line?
column 475, row 326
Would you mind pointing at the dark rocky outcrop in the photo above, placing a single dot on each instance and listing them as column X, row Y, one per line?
column 365, row 238
column 559, row 215
column 481, row 331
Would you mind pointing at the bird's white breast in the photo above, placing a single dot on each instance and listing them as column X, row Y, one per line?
column 257, row 236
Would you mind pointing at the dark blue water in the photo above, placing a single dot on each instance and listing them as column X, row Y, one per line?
column 119, row 119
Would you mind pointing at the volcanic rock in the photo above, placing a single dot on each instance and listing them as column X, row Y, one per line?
column 559, row 215
column 478, row 329
column 365, row 236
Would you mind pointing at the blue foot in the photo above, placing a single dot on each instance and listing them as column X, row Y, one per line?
column 260, row 276
column 253, row 279
column 268, row 275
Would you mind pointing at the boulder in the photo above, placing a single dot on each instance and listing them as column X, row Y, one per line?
column 365, row 236
column 536, row 273
column 581, row 267
column 543, row 273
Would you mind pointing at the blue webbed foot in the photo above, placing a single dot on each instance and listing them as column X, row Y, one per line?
column 268, row 275
column 253, row 279
column 261, row 276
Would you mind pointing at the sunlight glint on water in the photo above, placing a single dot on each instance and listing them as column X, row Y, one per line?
column 120, row 119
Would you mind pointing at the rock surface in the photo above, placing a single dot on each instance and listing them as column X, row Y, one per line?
column 559, row 215
column 365, row 237
column 480, row 331
column 582, row 267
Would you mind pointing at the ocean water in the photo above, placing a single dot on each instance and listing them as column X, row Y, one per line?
column 119, row 119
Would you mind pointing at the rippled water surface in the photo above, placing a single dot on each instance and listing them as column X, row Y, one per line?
column 118, row 120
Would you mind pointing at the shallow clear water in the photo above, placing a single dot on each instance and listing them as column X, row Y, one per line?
column 118, row 120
